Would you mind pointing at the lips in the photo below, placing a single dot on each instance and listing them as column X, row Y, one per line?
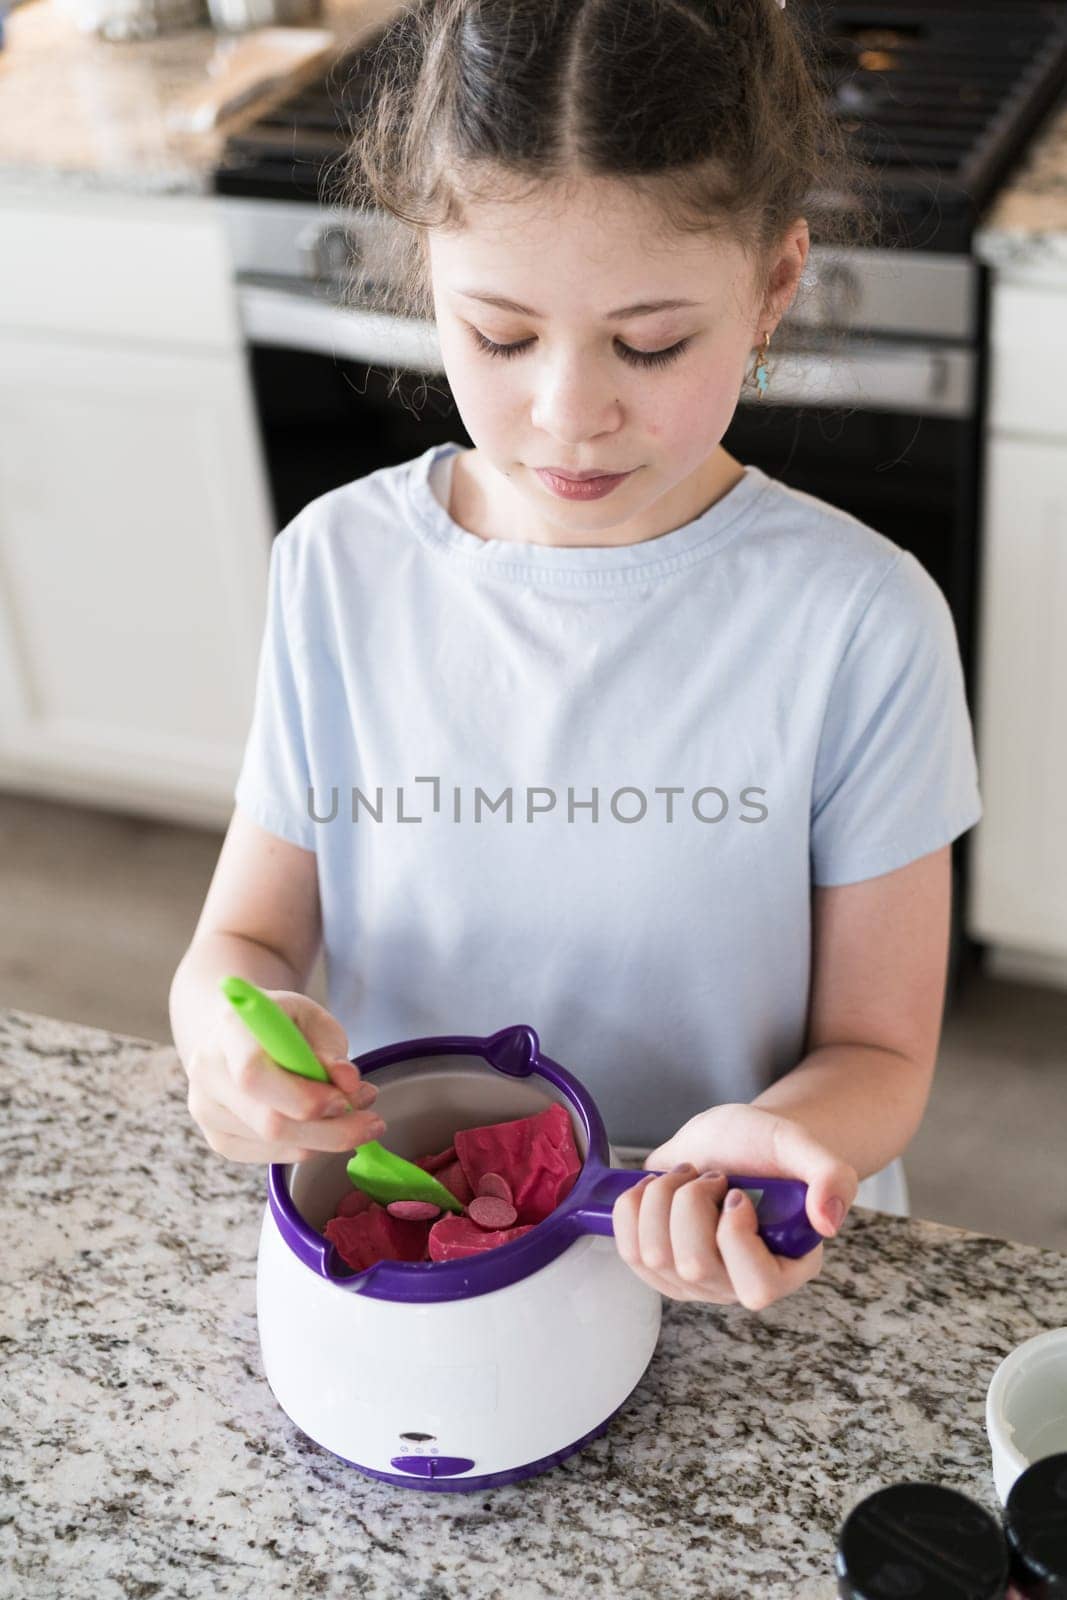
column 582, row 477
column 594, row 488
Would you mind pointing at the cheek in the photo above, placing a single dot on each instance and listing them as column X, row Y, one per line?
column 701, row 402
column 480, row 386
column 695, row 408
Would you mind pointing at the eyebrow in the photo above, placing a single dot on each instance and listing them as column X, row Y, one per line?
column 643, row 308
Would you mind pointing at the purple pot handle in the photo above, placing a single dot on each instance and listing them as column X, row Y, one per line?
column 780, row 1208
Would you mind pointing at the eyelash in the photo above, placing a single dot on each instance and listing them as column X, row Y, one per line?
column 636, row 358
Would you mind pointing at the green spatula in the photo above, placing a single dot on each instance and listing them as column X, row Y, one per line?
column 378, row 1172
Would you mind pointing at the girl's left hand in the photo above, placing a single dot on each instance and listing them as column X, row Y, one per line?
column 677, row 1234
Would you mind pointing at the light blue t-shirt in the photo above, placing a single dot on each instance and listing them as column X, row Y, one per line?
column 591, row 789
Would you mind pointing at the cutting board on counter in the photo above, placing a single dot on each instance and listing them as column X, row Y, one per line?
column 241, row 71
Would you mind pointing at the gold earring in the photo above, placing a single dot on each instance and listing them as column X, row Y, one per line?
column 760, row 375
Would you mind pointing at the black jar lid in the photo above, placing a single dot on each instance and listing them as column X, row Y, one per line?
column 1035, row 1522
column 921, row 1541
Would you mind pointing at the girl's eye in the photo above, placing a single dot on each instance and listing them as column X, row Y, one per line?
column 636, row 358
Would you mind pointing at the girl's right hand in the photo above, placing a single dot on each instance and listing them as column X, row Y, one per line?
column 251, row 1109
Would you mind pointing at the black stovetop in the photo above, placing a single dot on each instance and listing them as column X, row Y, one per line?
column 940, row 97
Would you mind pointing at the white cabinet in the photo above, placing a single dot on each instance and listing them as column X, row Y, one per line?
column 1018, row 888
column 135, row 525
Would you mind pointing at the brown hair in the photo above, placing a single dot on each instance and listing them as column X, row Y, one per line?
column 711, row 109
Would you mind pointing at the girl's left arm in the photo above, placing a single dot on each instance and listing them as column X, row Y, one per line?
column 879, row 965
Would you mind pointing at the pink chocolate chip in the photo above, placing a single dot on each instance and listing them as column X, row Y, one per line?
column 413, row 1210
column 492, row 1213
column 494, row 1187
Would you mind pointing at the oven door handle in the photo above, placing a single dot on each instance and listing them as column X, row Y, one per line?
column 300, row 320
column 874, row 375
column 867, row 375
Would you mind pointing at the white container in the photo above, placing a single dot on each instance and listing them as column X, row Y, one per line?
column 1026, row 1407
column 459, row 1375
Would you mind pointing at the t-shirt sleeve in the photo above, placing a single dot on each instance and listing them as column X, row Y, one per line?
column 274, row 780
column 895, row 773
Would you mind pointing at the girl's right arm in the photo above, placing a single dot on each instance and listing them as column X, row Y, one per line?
column 261, row 920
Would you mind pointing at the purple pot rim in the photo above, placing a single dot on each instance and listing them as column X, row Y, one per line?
column 423, row 1281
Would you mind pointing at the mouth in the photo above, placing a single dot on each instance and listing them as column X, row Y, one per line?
column 584, row 477
column 592, row 486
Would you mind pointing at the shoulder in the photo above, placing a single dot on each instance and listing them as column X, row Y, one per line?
column 849, row 568
column 338, row 528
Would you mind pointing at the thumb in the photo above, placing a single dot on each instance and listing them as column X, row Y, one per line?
column 831, row 1182
column 690, row 1143
column 327, row 1039
column 320, row 1028
column 668, row 1155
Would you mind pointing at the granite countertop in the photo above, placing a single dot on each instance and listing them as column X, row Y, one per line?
column 1027, row 224
column 143, row 1453
column 78, row 111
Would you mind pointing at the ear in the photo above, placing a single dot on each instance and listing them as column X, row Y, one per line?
column 784, row 279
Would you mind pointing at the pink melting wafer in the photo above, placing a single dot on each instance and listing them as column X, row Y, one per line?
column 492, row 1186
column 414, row 1210
column 491, row 1213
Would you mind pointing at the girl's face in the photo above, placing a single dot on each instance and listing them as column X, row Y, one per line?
column 586, row 387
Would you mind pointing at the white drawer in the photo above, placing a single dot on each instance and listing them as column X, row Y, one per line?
column 127, row 267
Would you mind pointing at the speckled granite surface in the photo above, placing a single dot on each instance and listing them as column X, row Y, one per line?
column 142, row 1453
column 1028, row 222
column 84, row 112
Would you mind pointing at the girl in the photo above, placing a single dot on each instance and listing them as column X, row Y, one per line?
column 669, row 765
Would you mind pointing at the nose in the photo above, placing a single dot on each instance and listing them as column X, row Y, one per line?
column 574, row 401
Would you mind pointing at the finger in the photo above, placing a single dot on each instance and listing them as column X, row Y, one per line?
column 257, row 1118
column 624, row 1217
column 327, row 1039
column 827, row 1177
column 320, row 1027
column 254, row 1153
column 211, row 1114
column 758, row 1276
column 346, row 1076
column 254, row 1080
column 229, row 1136
column 694, row 1222
column 226, row 1136
column 653, row 1220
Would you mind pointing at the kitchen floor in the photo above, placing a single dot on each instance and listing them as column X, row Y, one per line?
column 99, row 908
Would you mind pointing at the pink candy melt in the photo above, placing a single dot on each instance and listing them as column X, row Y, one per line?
column 510, row 1176
column 376, row 1236
column 414, row 1210
column 492, row 1214
column 536, row 1157
column 455, row 1181
column 455, row 1237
